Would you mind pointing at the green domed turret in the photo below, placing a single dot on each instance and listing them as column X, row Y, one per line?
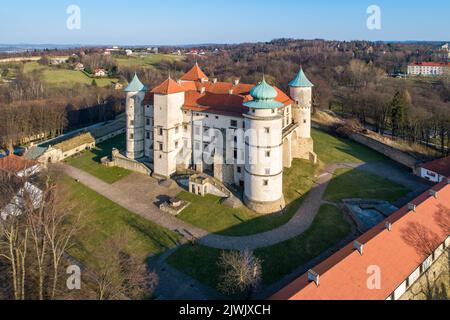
column 263, row 97
column 136, row 85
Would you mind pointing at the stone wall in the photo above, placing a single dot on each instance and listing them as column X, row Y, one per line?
column 396, row 155
column 118, row 160
column 390, row 152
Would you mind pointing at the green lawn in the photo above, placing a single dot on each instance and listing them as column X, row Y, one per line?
column 101, row 219
column 148, row 61
column 89, row 161
column 64, row 77
column 331, row 149
column 279, row 260
column 353, row 183
column 208, row 214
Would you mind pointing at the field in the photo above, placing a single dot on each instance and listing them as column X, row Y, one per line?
column 348, row 183
column 102, row 219
column 89, row 161
column 147, row 61
column 63, row 77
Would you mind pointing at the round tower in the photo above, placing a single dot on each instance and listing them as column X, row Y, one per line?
column 301, row 93
column 263, row 151
column 135, row 118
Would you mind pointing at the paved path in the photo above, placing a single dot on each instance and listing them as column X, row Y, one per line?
column 142, row 194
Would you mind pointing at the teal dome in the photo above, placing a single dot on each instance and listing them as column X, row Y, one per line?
column 263, row 97
column 136, row 85
column 301, row 81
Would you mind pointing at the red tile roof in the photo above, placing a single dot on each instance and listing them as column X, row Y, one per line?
column 203, row 95
column 397, row 254
column 15, row 164
column 439, row 166
column 430, row 64
column 168, row 87
column 195, row 74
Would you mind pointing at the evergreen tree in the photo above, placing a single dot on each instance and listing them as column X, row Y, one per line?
column 399, row 111
column 94, row 83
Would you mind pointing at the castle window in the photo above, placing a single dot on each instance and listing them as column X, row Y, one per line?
column 267, row 171
column 234, row 123
column 160, row 131
column 131, row 136
column 265, row 183
column 304, row 121
column 185, row 127
column 176, row 145
column 217, row 117
column 235, row 154
column 148, row 135
column 239, row 169
column 148, row 121
column 267, row 130
column 161, row 147
column 177, row 130
column 131, row 122
column 267, row 154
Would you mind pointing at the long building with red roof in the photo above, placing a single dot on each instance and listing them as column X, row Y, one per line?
column 203, row 124
column 387, row 260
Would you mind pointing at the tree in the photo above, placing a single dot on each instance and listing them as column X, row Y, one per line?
column 241, row 273
column 94, row 83
column 120, row 275
column 399, row 107
column 35, row 235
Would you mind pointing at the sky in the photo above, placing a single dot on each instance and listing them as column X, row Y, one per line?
column 178, row 22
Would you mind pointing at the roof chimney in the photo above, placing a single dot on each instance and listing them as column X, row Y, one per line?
column 313, row 277
column 202, row 90
column 214, row 80
column 230, row 91
column 179, row 81
column 388, row 226
column 359, row 247
column 433, row 193
column 236, row 82
column 412, row 207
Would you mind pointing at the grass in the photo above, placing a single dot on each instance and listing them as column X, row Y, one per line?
column 279, row 260
column 351, row 183
column 64, row 77
column 332, row 149
column 208, row 214
column 147, row 61
column 198, row 262
column 103, row 219
column 89, row 161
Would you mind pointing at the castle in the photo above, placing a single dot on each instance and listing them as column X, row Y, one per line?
column 240, row 134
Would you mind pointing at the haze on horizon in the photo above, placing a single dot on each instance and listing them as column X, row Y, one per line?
column 177, row 22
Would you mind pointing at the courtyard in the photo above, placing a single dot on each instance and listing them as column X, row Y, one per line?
column 312, row 226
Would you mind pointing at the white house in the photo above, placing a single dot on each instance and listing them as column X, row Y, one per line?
column 100, row 73
column 435, row 171
column 428, row 69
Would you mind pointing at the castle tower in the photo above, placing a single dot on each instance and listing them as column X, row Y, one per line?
column 301, row 93
column 263, row 151
column 135, row 118
column 169, row 99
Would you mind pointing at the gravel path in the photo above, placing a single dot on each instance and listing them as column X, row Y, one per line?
column 141, row 194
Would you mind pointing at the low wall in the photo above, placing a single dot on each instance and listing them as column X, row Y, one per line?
column 390, row 152
column 396, row 155
column 122, row 162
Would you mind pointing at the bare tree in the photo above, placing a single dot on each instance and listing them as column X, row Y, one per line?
column 241, row 273
column 120, row 275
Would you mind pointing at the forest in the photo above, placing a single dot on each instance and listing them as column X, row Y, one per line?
column 353, row 79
